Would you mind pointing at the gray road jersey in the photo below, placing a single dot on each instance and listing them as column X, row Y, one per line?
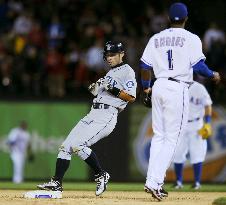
column 122, row 77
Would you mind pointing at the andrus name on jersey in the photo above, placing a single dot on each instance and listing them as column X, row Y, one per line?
column 169, row 41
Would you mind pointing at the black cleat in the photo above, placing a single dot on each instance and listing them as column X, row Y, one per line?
column 162, row 190
column 157, row 194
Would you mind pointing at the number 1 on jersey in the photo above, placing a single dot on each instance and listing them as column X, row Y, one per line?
column 170, row 59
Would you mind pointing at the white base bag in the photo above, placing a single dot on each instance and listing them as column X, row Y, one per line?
column 43, row 194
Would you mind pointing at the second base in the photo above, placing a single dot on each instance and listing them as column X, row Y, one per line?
column 43, row 194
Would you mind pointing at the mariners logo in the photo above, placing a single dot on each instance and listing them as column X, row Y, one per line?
column 130, row 84
column 108, row 47
column 216, row 151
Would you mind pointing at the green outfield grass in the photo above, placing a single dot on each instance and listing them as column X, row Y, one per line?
column 113, row 187
column 220, row 201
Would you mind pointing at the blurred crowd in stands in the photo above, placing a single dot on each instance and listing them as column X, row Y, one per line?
column 53, row 48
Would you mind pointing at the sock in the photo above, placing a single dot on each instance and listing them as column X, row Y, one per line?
column 61, row 168
column 179, row 171
column 197, row 171
column 93, row 162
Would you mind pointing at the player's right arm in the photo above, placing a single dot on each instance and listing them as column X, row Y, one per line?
column 12, row 139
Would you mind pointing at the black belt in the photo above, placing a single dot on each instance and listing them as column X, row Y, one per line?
column 100, row 106
column 178, row 81
column 196, row 119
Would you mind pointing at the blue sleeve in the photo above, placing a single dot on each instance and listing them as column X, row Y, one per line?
column 202, row 69
column 145, row 66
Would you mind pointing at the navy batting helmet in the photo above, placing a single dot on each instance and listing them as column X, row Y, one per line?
column 112, row 47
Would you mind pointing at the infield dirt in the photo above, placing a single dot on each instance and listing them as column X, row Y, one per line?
column 15, row 197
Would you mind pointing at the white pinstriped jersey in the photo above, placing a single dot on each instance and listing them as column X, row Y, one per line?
column 198, row 99
column 172, row 53
column 19, row 139
column 122, row 77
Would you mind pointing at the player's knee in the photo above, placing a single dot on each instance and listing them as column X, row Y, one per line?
column 64, row 153
column 84, row 153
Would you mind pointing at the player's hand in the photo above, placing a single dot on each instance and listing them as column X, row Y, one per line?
column 107, row 86
column 93, row 88
column 216, row 77
column 206, row 131
column 146, row 97
column 100, row 81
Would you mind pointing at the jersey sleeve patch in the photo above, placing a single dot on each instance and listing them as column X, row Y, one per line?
column 130, row 84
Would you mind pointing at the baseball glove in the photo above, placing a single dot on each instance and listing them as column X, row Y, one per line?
column 146, row 99
column 205, row 131
column 31, row 157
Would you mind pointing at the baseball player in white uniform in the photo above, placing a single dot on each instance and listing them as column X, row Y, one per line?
column 172, row 55
column 193, row 140
column 18, row 141
column 112, row 94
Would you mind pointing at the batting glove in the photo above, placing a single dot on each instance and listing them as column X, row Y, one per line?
column 95, row 87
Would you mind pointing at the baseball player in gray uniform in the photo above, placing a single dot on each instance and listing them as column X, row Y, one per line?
column 112, row 94
column 197, row 131
column 172, row 55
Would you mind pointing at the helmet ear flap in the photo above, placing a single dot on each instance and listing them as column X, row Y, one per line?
column 104, row 56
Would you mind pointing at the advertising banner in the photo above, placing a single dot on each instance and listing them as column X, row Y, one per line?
column 49, row 124
column 214, row 166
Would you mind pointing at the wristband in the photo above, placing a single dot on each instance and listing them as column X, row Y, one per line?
column 114, row 91
column 207, row 119
column 146, row 83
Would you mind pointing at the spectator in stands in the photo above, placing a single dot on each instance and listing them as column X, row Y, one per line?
column 23, row 24
column 56, row 71
column 213, row 34
column 56, row 33
column 94, row 60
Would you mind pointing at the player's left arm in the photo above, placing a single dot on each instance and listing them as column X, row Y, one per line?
column 202, row 69
column 198, row 60
column 126, row 97
column 206, row 131
column 122, row 94
column 127, row 94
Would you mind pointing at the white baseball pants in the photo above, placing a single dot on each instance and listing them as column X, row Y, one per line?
column 191, row 142
column 170, row 103
column 18, row 160
column 97, row 124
